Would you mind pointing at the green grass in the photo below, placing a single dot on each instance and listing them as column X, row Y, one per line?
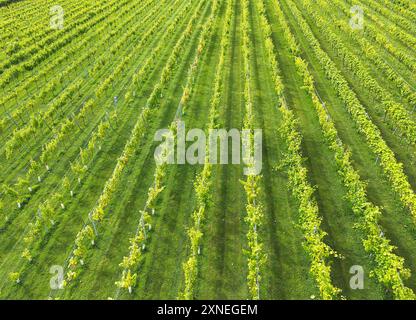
column 222, row 263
